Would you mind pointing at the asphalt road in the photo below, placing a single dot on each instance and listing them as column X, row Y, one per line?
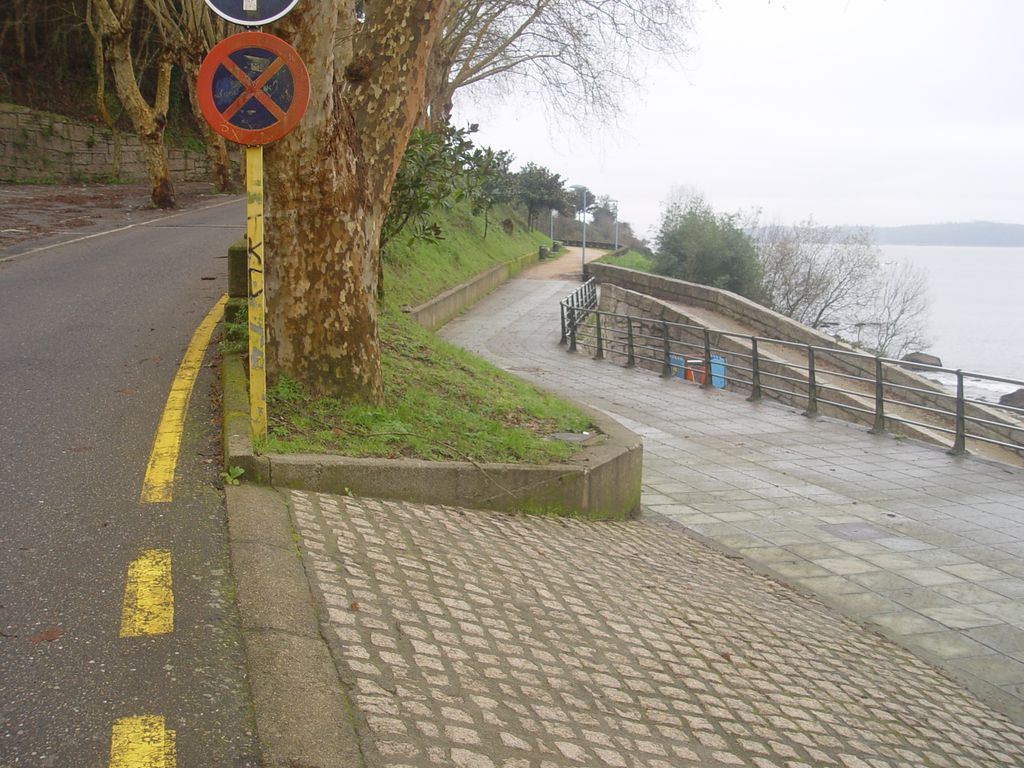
column 91, row 334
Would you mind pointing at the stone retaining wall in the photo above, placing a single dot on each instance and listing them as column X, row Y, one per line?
column 443, row 307
column 41, row 147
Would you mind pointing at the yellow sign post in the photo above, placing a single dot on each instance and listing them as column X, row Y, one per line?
column 253, row 89
column 257, row 296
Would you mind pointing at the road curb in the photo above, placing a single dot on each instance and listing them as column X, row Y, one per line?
column 302, row 712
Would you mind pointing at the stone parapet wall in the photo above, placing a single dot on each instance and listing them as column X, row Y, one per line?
column 753, row 315
column 41, row 147
column 901, row 384
column 780, row 379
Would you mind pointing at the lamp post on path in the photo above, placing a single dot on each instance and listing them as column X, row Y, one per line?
column 583, row 213
column 615, row 212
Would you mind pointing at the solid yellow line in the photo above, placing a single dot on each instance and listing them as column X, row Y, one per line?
column 142, row 742
column 148, row 607
column 158, row 485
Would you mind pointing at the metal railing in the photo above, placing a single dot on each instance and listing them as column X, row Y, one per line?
column 881, row 392
column 574, row 309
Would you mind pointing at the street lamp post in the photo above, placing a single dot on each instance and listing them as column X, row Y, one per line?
column 615, row 211
column 552, row 229
column 583, row 213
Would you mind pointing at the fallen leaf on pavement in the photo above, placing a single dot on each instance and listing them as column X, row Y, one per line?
column 47, row 635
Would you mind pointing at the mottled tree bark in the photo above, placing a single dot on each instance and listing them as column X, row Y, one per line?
column 437, row 108
column 116, row 21
column 328, row 186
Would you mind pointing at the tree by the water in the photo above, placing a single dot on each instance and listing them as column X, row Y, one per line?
column 696, row 244
column 835, row 278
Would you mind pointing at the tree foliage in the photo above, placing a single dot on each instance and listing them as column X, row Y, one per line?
column 440, row 169
column 541, row 190
column 833, row 278
column 490, row 182
column 43, row 36
column 696, row 244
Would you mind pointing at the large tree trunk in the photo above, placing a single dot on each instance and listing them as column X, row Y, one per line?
column 322, row 264
column 100, row 65
column 116, row 19
column 437, row 106
column 328, row 185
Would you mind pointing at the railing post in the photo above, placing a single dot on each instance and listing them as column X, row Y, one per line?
column 564, row 338
column 755, row 371
column 960, row 441
column 879, row 426
column 812, row 385
column 706, row 378
column 572, row 330
column 666, row 366
column 599, row 354
column 630, row 353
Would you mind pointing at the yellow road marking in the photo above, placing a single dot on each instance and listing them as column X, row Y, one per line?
column 142, row 742
column 158, row 485
column 148, row 607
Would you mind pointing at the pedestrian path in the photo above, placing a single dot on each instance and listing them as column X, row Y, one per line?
column 923, row 547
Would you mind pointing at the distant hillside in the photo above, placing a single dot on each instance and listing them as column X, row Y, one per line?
column 974, row 233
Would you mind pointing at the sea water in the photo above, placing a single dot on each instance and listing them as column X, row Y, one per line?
column 975, row 311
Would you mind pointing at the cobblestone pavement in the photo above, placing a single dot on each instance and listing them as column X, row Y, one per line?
column 923, row 547
column 484, row 640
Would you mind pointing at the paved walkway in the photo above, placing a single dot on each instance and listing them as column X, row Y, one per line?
column 923, row 547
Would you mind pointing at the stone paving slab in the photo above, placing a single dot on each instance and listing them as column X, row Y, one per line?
column 487, row 640
column 922, row 546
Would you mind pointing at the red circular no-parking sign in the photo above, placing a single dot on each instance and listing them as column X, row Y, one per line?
column 253, row 88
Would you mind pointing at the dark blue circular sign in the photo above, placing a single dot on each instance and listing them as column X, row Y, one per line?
column 273, row 88
column 251, row 13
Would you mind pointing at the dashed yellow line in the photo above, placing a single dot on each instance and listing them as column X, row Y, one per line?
column 142, row 742
column 158, row 485
column 148, row 607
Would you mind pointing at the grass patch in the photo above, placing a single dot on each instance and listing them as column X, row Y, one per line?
column 416, row 271
column 235, row 336
column 630, row 260
column 440, row 403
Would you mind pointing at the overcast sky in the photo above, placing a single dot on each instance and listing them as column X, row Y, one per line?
column 875, row 112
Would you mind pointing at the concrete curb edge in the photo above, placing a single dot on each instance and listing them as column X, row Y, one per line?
column 602, row 481
column 302, row 711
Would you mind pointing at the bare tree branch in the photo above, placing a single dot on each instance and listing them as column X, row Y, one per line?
column 581, row 52
column 827, row 277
